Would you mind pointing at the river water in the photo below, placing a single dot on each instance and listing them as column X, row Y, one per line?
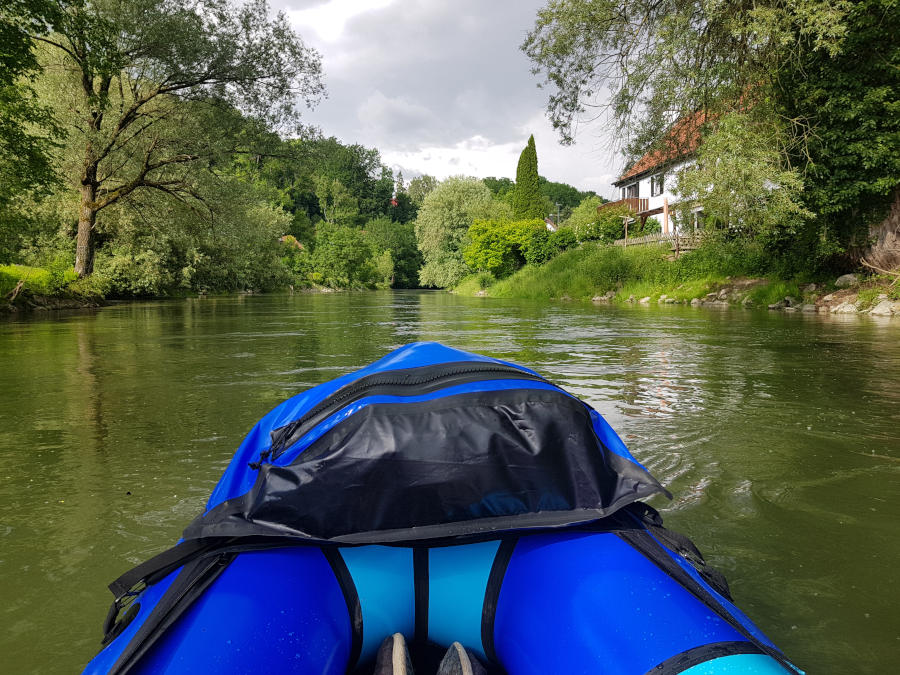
column 778, row 434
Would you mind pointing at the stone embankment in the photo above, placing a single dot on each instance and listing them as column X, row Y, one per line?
column 849, row 298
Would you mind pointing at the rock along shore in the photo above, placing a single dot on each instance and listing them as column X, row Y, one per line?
column 849, row 298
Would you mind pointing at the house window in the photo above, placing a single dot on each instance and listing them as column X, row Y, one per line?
column 656, row 184
column 631, row 191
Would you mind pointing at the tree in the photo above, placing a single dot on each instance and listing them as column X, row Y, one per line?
column 420, row 187
column 503, row 246
column 398, row 239
column 527, row 199
column 139, row 63
column 584, row 215
column 661, row 61
column 562, row 197
column 852, row 101
column 442, row 228
column 359, row 169
column 337, row 204
column 27, row 128
column 342, row 258
column 403, row 209
column 589, row 224
column 499, row 187
column 738, row 178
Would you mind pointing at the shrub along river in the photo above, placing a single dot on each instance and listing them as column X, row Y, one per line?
column 779, row 436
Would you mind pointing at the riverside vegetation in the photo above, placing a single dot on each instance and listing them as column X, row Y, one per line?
column 148, row 150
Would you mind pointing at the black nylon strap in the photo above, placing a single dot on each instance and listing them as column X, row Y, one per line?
column 194, row 579
column 492, row 595
column 351, row 597
column 159, row 565
column 421, row 590
column 692, row 657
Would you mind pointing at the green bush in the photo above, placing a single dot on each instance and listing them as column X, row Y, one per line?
column 607, row 226
column 500, row 247
column 721, row 255
column 342, row 257
column 38, row 280
column 651, row 226
column 563, row 239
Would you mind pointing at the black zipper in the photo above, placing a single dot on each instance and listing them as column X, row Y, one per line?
column 388, row 383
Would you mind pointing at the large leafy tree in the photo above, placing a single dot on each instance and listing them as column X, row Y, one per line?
column 741, row 182
column 420, row 187
column 398, row 240
column 140, row 64
column 359, row 170
column 528, row 202
column 566, row 196
column 851, row 102
column 817, row 80
column 27, row 129
column 646, row 63
column 442, row 227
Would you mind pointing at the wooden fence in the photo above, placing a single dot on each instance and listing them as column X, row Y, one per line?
column 678, row 242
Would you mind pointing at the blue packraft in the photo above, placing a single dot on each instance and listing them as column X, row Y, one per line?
column 446, row 496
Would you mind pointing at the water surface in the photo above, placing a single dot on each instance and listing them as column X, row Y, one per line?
column 779, row 436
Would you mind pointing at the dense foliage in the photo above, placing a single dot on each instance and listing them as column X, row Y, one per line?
column 851, row 101
column 442, row 227
column 806, row 92
column 27, row 129
column 527, row 200
column 150, row 90
column 155, row 136
column 608, row 224
column 559, row 198
column 500, row 247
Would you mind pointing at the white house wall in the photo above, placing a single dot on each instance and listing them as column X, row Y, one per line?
column 669, row 181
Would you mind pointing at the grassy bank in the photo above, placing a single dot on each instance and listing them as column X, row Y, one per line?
column 23, row 288
column 36, row 280
column 642, row 271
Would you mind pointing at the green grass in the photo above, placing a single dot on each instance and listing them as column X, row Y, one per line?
column 37, row 279
column 641, row 271
column 774, row 291
column 474, row 283
column 585, row 272
column 868, row 297
column 593, row 270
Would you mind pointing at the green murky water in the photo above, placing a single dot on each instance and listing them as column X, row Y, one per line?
column 778, row 434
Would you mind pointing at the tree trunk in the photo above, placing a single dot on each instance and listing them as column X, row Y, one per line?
column 87, row 217
column 883, row 252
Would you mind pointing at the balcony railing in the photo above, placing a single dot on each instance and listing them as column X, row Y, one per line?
column 634, row 204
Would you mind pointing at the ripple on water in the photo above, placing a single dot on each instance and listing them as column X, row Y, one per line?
column 778, row 438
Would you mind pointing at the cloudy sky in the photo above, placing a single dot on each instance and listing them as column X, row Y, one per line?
column 440, row 87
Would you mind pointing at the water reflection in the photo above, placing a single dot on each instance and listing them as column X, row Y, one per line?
column 777, row 434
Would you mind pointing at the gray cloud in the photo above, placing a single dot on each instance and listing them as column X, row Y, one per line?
column 434, row 73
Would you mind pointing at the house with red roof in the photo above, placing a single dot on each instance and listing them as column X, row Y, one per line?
column 647, row 186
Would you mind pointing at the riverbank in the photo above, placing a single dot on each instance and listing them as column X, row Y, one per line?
column 713, row 277
column 25, row 289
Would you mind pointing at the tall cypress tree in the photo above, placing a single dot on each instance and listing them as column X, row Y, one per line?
column 527, row 199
